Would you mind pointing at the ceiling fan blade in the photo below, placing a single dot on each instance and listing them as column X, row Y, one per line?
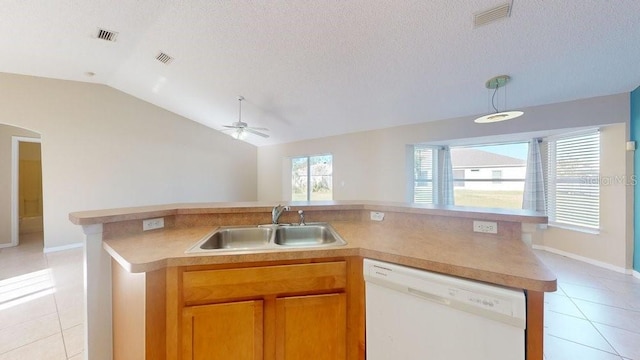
column 231, row 126
column 258, row 128
column 249, row 130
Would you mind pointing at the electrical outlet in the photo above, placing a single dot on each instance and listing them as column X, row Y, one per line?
column 487, row 227
column 151, row 224
column 377, row 216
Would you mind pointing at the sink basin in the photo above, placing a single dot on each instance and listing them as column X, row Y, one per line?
column 266, row 237
column 237, row 238
column 308, row 235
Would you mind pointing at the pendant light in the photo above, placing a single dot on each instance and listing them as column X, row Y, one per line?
column 495, row 83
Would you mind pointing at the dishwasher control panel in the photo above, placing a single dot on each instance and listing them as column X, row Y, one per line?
column 504, row 304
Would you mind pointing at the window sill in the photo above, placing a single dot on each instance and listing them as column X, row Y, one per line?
column 575, row 228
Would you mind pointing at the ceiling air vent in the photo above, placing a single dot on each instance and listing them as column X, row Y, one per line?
column 491, row 15
column 164, row 58
column 106, row 35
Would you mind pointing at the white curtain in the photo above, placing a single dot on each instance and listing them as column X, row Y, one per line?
column 534, row 196
column 446, row 183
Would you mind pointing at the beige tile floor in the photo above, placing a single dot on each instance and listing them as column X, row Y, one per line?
column 40, row 302
column 595, row 314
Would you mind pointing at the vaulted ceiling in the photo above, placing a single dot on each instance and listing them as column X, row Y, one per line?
column 310, row 69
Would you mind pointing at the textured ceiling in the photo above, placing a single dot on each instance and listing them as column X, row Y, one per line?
column 310, row 69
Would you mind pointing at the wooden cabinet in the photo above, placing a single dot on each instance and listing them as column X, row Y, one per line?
column 223, row 331
column 311, row 327
column 285, row 310
column 293, row 311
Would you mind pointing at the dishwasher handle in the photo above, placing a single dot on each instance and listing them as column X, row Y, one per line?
column 430, row 297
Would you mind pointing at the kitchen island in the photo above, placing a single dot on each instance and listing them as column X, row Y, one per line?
column 438, row 239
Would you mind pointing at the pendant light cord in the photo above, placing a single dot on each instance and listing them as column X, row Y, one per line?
column 493, row 98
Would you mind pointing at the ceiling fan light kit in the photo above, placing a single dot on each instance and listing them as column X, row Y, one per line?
column 495, row 83
column 240, row 130
column 239, row 134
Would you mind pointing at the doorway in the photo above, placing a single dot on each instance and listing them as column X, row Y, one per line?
column 26, row 189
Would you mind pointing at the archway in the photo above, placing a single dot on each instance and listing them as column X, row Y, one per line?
column 20, row 185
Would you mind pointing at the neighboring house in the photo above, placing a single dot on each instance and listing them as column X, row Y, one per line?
column 497, row 171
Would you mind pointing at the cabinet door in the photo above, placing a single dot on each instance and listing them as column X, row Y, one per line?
column 223, row 331
column 311, row 327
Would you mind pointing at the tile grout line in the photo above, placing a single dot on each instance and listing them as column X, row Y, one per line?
column 55, row 301
column 27, row 344
column 592, row 325
column 603, row 281
column 591, row 322
column 590, row 347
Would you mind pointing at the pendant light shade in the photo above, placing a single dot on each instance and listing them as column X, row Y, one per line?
column 501, row 116
column 495, row 83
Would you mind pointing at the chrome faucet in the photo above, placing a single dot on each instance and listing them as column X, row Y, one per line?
column 277, row 211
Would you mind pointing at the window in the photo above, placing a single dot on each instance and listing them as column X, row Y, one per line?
column 423, row 171
column 312, row 178
column 483, row 176
column 573, row 168
column 489, row 175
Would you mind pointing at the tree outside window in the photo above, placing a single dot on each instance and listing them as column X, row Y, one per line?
column 312, row 178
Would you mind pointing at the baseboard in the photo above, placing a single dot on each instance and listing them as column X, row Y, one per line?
column 636, row 274
column 62, row 248
column 6, row 245
column 584, row 259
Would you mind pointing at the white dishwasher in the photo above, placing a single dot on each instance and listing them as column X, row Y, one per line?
column 415, row 314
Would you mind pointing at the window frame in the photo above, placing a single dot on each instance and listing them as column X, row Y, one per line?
column 309, row 175
column 457, row 180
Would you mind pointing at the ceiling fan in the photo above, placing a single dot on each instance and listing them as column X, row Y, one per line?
column 240, row 130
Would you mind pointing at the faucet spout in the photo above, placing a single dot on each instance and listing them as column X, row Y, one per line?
column 277, row 211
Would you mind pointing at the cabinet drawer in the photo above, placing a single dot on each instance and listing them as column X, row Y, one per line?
column 209, row 285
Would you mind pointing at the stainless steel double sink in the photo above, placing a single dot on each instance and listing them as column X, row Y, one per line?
column 264, row 237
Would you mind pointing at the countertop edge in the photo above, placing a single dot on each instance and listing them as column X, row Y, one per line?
column 145, row 212
column 541, row 285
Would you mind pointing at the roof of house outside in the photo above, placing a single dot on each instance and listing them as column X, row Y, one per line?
column 474, row 158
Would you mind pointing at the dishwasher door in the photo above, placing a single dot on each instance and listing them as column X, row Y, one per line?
column 413, row 314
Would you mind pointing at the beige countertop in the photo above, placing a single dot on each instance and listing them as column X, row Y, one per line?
column 441, row 246
column 507, row 262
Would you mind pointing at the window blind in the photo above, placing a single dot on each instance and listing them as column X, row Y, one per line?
column 423, row 158
column 573, row 176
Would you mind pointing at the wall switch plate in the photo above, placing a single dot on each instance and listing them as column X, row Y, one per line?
column 487, row 227
column 377, row 216
column 151, row 224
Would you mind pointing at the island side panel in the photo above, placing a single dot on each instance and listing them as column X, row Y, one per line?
column 156, row 314
column 535, row 325
column 355, row 310
column 128, row 299
column 97, row 296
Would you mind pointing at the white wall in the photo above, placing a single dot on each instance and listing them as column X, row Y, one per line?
column 371, row 165
column 6, row 132
column 102, row 148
